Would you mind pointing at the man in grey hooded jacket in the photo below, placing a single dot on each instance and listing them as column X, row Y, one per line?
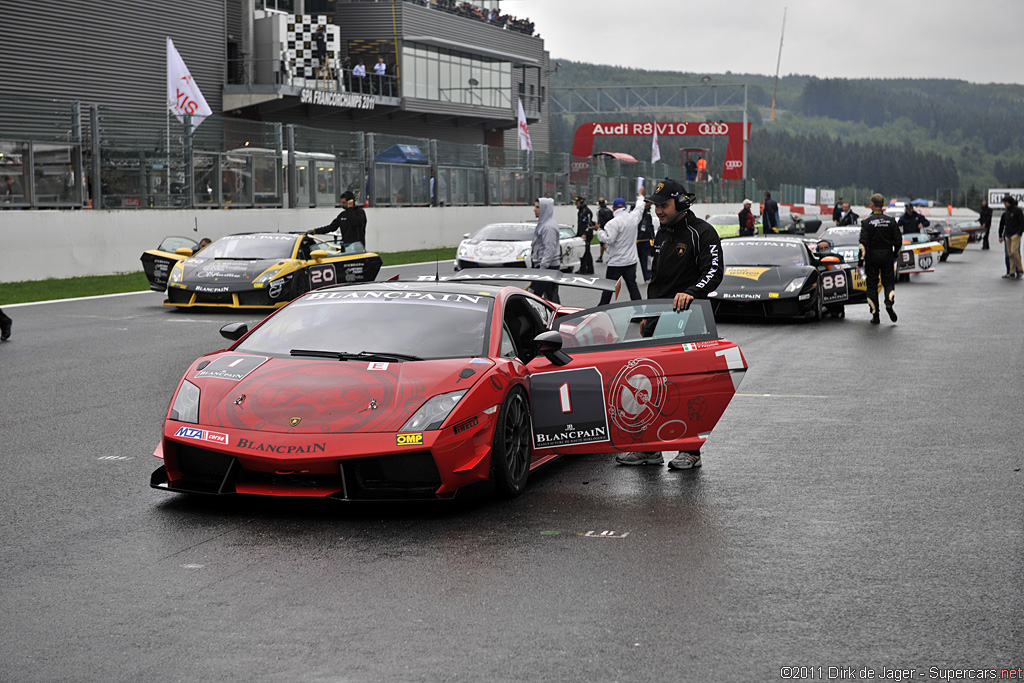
column 545, row 251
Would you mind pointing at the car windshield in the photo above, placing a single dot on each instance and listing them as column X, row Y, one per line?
column 840, row 237
column 424, row 323
column 269, row 246
column 724, row 219
column 338, row 247
column 505, row 232
column 763, row 253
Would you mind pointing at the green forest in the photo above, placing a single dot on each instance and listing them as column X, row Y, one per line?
column 904, row 137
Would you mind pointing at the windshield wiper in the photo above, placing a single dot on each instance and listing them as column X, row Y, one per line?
column 382, row 356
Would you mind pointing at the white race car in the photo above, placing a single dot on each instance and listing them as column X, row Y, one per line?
column 507, row 245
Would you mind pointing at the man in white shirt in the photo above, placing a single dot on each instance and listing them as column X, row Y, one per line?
column 620, row 235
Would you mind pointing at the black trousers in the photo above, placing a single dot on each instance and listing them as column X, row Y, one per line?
column 643, row 250
column 627, row 273
column 880, row 264
column 547, row 290
column 586, row 261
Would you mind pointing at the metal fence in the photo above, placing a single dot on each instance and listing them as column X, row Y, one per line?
column 61, row 154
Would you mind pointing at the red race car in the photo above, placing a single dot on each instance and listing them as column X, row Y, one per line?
column 411, row 390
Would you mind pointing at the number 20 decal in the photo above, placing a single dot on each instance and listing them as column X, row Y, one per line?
column 322, row 276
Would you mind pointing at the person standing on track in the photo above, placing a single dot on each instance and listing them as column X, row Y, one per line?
column 351, row 222
column 604, row 214
column 911, row 221
column 1011, row 227
column 5, row 326
column 687, row 266
column 880, row 242
column 545, row 251
column 985, row 218
column 585, row 229
column 620, row 235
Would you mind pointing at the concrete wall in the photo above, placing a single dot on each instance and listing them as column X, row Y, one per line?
column 35, row 245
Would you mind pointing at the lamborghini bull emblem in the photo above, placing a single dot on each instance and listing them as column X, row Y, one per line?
column 681, row 248
column 295, row 421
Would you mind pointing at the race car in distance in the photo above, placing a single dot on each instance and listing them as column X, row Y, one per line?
column 424, row 389
column 845, row 242
column 727, row 224
column 507, row 245
column 253, row 270
column 950, row 236
column 918, row 255
column 778, row 276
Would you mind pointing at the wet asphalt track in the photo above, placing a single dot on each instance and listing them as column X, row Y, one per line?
column 861, row 504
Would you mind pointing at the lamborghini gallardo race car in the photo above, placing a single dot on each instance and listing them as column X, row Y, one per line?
column 508, row 245
column 420, row 390
column 845, row 242
column 975, row 231
column 949, row 235
column 253, row 270
column 778, row 276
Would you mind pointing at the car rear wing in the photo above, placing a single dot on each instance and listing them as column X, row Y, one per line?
column 520, row 274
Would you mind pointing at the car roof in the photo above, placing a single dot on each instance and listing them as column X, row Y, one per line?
column 422, row 286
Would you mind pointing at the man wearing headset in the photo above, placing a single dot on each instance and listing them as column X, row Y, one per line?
column 687, row 266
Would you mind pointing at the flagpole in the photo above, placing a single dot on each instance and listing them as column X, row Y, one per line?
column 167, row 119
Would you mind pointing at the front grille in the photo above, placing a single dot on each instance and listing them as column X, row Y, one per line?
column 254, row 299
column 403, row 475
column 211, row 298
column 204, row 471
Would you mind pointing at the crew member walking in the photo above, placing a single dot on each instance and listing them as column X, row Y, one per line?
column 585, row 229
column 1011, row 227
column 604, row 214
column 880, row 241
column 986, row 222
column 620, row 235
column 911, row 221
column 687, row 266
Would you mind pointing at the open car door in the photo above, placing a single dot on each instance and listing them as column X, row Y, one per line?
column 157, row 263
column 343, row 263
column 641, row 377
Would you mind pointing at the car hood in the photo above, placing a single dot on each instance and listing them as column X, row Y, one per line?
column 229, row 272
column 488, row 249
column 300, row 396
column 761, row 277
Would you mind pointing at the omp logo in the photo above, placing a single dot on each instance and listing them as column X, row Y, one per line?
column 713, row 128
column 415, row 439
column 734, row 163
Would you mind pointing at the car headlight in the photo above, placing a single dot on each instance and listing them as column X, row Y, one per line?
column 521, row 256
column 178, row 272
column 463, row 250
column 186, row 404
column 796, row 284
column 268, row 274
column 433, row 413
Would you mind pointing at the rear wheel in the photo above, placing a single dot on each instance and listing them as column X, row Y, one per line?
column 819, row 306
column 510, row 453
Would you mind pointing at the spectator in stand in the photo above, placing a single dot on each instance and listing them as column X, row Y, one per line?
column 380, row 70
column 986, row 222
column 847, row 216
column 359, row 76
column 346, row 73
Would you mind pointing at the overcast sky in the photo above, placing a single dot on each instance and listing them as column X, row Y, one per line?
column 974, row 40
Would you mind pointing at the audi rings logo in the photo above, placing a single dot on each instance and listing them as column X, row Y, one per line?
column 733, row 163
column 713, row 129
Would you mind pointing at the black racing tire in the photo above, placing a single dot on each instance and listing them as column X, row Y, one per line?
column 513, row 444
column 819, row 306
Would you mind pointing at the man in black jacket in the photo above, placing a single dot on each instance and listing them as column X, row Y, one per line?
column 770, row 215
column 1011, row 228
column 604, row 214
column 687, row 266
column 911, row 221
column 986, row 222
column 837, row 210
column 880, row 242
column 847, row 216
column 351, row 221
column 585, row 229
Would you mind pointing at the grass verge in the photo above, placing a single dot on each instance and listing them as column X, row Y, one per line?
column 68, row 288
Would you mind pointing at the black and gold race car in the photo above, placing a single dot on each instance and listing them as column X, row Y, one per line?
column 253, row 270
column 778, row 276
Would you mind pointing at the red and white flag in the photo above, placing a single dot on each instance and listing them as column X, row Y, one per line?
column 524, row 132
column 655, row 150
column 183, row 96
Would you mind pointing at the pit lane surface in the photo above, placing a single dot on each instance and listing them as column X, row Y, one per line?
column 860, row 505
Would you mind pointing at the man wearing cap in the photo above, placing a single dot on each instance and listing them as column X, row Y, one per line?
column 911, row 221
column 585, row 229
column 747, row 220
column 687, row 266
column 880, row 242
column 620, row 236
column 351, row 222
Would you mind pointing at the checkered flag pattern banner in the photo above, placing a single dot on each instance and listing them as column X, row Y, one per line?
column 300, row 50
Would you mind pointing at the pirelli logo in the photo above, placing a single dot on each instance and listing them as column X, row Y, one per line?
column 415, row 439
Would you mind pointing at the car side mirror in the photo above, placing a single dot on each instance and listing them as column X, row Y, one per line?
column 318, row 254
column 550, row 345
column 234, row 331
column 183, row 251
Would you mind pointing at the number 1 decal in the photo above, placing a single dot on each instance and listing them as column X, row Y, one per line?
column 563, row 395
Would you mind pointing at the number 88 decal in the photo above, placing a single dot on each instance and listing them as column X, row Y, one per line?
column 322, row 275
column 836, row 281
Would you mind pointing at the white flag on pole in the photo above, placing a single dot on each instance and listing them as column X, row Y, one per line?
column 183, row 96
column 655, row 150
column 524, row 132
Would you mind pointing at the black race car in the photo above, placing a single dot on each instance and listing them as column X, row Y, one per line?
column 778, row 276
column 253, row 270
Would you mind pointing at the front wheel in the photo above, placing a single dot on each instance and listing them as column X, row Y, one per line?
column 819, row 307
column 510, row 453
